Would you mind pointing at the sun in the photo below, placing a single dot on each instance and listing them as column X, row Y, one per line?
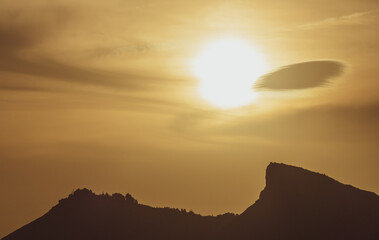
column 227, row 68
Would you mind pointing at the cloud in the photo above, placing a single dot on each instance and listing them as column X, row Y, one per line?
column 24, row 35
column 352, row 18
column 14, row 40
column 300, row 76
column 323, row 123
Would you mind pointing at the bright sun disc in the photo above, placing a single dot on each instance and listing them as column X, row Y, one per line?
column 227, row 69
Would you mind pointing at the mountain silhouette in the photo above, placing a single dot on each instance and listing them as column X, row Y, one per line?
column 300, row 204
column 295, row 204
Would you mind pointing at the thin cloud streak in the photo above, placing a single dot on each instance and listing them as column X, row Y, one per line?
column 353, row 18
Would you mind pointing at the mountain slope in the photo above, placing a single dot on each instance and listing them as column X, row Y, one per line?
column 295, row 204
column 85, row 215
column 300, row 204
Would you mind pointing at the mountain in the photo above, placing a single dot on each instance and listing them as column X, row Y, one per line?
column 300, row 204
column 85, row 215
column 295, row 204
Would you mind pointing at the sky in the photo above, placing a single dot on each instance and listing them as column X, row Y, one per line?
column 100, row 94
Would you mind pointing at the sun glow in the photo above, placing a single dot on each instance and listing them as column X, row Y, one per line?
column 227, row 68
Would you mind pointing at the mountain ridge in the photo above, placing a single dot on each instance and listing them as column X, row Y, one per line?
column 295, row 204
column 300, row 204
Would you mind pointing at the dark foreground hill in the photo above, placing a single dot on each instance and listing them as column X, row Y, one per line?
column 295, row 204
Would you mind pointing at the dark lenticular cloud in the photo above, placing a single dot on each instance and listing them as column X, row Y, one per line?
column 300, row 76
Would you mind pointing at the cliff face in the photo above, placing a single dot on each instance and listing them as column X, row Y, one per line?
column 289, row 184
column 300, row 204
column 295, row 204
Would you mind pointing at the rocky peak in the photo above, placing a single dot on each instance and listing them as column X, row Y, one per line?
column 282, row 176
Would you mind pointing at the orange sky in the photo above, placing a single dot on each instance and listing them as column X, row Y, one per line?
column 100, row 95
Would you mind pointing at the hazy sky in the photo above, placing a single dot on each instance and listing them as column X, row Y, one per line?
column 99, row 94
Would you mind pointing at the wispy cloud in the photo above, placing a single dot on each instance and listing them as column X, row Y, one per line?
column 322, row 123
column 353, row 18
